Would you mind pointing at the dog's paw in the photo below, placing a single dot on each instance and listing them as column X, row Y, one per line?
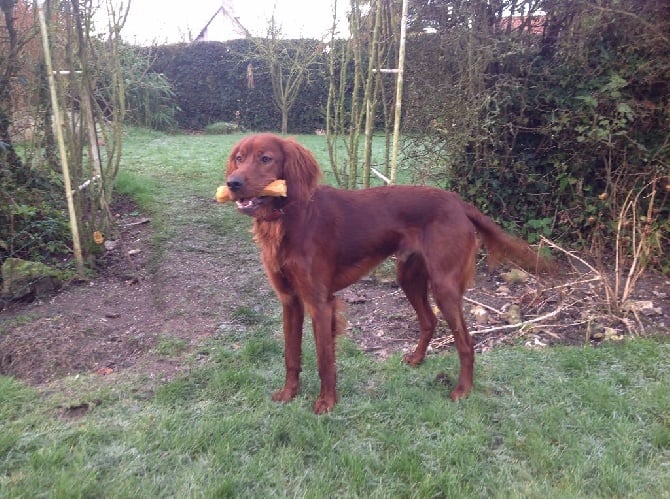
column 460, row 392
column 284, row 395
column 323, row 405
column 413, row 359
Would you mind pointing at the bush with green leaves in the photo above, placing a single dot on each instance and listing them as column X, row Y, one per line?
column 549, row 130
column 33, row 218
column 150, row 99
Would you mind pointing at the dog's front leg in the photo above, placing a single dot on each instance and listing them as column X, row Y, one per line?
column 294, row 315
column 324, row 338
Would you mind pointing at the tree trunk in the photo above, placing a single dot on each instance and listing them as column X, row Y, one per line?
column 284, row 120
column 10, row 162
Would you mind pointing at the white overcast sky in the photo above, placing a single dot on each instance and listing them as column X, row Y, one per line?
column 164, row 21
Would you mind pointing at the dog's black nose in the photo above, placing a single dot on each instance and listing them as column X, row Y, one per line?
column 234, row 184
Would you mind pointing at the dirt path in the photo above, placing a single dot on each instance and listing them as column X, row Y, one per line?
column 141, row 303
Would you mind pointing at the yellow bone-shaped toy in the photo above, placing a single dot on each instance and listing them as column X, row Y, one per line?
column 276, row 189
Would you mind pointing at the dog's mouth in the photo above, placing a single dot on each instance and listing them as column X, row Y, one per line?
column 249, row 206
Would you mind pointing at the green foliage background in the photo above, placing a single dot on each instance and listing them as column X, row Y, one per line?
column 553, row 126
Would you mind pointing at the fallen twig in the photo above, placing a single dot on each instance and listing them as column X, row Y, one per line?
column 138, row 222
column 447, row 340
column 522, row 324
column 483, row 305
column 574, row 283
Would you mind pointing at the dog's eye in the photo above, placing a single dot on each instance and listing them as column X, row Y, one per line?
column 239, row 158
column 266, row 159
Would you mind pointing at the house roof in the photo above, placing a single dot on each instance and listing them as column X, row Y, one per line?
column 222, row 26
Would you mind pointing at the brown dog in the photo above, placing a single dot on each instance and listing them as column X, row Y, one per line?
column 318, row 240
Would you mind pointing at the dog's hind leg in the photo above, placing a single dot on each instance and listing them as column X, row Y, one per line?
column 450, row 273
column 449, row 302
column 413, row 279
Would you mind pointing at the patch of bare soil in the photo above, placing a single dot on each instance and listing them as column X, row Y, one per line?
column 116, row 321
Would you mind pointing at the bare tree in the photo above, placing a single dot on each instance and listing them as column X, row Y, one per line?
column 289, row 62
column 354, row 98
column 83, row 77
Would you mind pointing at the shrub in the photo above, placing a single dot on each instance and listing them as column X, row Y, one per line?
column 222, row 128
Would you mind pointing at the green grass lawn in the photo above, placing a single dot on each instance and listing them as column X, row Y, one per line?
column 558, row 422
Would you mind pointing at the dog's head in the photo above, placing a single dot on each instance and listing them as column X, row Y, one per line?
column 257, row 161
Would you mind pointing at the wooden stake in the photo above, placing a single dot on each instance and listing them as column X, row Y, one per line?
column 74, row 225
column 398, row 91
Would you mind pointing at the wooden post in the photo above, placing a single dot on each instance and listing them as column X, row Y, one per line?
column 74, row 224
column 398, row 92
column 371, row 98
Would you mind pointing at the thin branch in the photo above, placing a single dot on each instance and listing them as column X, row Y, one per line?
column 483, row 305
column 523, row 324
column 647, row 25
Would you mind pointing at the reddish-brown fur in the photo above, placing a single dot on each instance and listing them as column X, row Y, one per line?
column 319, row 240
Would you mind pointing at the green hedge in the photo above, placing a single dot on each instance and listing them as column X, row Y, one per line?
column 211, row 85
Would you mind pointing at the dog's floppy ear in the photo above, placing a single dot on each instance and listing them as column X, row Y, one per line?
column 231, row 166
column 301, row 170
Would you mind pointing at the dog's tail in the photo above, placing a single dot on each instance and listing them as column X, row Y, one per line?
column 503, row 247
